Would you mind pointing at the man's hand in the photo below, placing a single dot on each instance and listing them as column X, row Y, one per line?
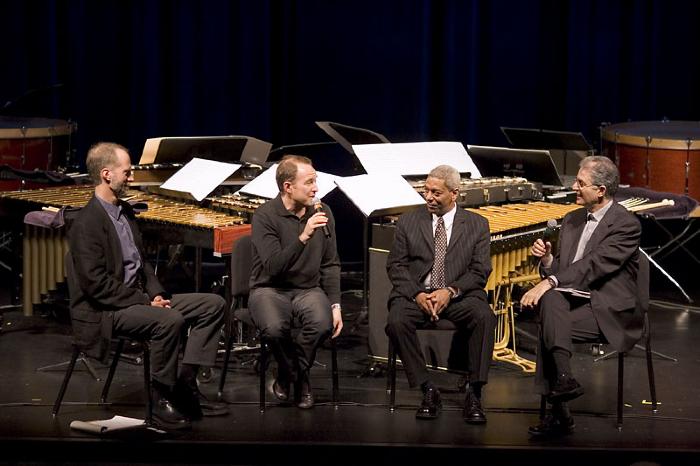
column 424, row 303
column 337, row 322
column 158, row 301
column 532, row 297
column 542, row 250
column 440, row 299
column 317, row 220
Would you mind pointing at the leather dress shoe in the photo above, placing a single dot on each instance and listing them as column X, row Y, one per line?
column 305, row 397
column 566, row 388
column 473, row 413
column 431, row 405
column 553, row 426
column 166, row 415
column 281, row 390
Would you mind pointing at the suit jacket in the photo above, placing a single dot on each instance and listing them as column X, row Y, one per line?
column 96, row 276
column 467, row 262
column 609, row 269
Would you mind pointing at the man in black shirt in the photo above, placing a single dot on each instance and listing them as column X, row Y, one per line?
column 295, row 277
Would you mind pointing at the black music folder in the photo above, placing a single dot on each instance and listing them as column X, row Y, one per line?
column 530, row 138
column 218, row 148
column 535, row 165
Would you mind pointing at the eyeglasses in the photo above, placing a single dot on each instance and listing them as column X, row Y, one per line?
column 582, row 185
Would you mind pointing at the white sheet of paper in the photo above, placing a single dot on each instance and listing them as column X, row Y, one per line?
column 265, row 184
column 199, row 177
column 373, row 193
column 99, row 426
column 414, row 158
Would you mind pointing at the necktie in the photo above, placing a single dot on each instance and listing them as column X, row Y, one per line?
column 585, row 236
column 437, row 274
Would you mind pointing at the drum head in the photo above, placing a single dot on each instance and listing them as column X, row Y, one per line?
column 657, row 134
column 21, row 127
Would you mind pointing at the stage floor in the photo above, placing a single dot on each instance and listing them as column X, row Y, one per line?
column 361, row 430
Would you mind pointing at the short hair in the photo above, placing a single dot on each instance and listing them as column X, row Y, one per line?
column 287, row 169
column 603, row 173
column 448, row 174
column 101, row 155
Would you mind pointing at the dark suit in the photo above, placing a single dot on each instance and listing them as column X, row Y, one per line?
column 467, row 267
column 102, row 305
column 609, row 269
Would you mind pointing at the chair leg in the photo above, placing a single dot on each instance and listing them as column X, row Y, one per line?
column 227, row 354
column 392, row 377
column 650, row 366
column 112, row 369
column 543, row 407
column 66, row 379
column 334, row 372
column 147, row 382
column 620, row 383
column 262, row 367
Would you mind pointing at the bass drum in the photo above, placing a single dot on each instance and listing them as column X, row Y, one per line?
column 659, row 155
column 33, row 144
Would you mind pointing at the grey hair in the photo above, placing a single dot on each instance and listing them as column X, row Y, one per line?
column 603, row 173
column 448, row 174
column 101, row 155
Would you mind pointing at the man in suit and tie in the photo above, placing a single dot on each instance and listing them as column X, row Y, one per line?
column 438, row 266
column 598, row 254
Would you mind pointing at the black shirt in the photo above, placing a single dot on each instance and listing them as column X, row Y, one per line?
column 281, row 260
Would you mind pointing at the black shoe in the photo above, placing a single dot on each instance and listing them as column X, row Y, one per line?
column 553, row 426
column 212, row 408
column 304, row 395
column 166, row 415
column 281, row 390
column 431, row 405
column 472, row 413
column 193, row 404
column 566, row 388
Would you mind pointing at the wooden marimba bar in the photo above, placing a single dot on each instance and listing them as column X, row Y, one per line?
column 45, row 248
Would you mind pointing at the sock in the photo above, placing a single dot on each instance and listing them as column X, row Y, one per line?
column 475, row 388
column 425, row 386
column 188, row 375
column 562, row 360
column 561, row 410
column 160, row 388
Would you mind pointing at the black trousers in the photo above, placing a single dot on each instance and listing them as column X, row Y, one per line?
column 276, row 311
column 202, row 313
column 563, row 319
column 473, row 317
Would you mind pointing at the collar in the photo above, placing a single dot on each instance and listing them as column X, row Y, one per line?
column 112, row 210
column 448, row 217
column 600, row 213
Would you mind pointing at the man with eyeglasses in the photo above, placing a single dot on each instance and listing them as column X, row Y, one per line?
column 598, row 255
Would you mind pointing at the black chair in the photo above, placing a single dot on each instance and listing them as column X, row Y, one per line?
column 241, row 265
column 79, row 354
column 444, row 325
column 643, row 304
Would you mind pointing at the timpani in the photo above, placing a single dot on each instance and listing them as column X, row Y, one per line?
column 659, row 155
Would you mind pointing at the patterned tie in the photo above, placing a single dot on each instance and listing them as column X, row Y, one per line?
column 437, row 274
column 585, row 236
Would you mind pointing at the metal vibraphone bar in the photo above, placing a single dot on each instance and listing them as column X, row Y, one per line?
column 514, row 227
column 45, row 248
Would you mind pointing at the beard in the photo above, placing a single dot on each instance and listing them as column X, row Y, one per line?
column 120, row 189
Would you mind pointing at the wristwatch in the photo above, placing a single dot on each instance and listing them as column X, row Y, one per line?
column 552, row 282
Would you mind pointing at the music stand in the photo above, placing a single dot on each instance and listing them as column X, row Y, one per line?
column 535, row 165
column 218, row 148
column 553, row 141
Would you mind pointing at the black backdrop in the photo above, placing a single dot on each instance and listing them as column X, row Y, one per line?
column 412, row 70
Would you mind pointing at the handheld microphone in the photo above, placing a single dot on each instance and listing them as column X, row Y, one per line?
column 318, row 207
column 550, row 231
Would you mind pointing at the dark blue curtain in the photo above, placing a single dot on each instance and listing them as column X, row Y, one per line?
column 412, row 70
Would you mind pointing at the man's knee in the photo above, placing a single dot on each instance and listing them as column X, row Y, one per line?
column 396, row 321
column 170, row 322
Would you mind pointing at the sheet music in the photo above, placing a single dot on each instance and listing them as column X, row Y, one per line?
column 414, row 158
column 265, row 184
column 373, row 194
column 199, row 177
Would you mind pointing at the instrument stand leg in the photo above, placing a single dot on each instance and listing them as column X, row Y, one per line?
column 668, row 275
column 643, row 348
column 64, row 364
column 363, row 316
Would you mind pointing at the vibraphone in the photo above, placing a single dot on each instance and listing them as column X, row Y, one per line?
column 173, row 222
column 490, row 190
column 513, row 228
